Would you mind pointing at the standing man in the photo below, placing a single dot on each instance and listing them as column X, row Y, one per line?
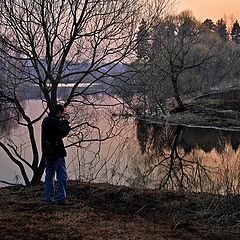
column 54, row 128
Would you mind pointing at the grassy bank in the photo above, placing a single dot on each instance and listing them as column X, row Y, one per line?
column 101, row 211
column 216, row 109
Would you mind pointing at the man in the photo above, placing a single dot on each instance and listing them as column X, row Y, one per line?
column 54, row 128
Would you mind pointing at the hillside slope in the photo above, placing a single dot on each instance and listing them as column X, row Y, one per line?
column 102, row 211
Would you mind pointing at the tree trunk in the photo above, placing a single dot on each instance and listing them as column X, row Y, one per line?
column 38, row 172
column 181, row 106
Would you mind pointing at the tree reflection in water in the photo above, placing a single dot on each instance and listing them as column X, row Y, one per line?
column 166, row 157
column 195, row 159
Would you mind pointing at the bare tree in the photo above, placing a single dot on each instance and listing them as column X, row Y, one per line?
column 178, row 47
column 51, row 42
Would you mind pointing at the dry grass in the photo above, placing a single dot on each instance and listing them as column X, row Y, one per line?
column 102, row 211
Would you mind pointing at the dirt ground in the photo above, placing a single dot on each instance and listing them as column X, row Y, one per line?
column 102, row 211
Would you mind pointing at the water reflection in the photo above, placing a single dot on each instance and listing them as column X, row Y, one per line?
column 90, row 158
column 196, row 159
column 192, row 138
column 141, row 154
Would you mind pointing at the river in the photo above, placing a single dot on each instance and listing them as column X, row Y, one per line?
column 142, row 155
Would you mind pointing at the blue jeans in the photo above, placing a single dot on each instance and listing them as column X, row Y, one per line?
column 57, row 166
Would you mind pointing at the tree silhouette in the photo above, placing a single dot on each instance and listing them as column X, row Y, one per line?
column 143, row 45
column 222, row 30
column 235, row 32
column 47, row 43
column 208, row 24
column 177, row 49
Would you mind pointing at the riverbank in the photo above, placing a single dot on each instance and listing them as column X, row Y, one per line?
column 216, row 110
column 103, row 211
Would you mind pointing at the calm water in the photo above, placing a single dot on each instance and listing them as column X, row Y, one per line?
column 143, row 155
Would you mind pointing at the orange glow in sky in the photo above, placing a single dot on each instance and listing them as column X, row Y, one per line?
column 214, row 9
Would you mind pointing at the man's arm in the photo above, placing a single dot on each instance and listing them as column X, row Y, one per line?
column 63, row 128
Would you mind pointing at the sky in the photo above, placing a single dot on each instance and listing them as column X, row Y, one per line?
column 214, row 9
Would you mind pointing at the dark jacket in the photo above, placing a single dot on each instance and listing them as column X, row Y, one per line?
column 53, row 131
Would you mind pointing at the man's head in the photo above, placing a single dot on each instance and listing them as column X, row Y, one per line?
column 58, row 110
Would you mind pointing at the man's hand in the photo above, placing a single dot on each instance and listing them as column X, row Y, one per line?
column 66, row 117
